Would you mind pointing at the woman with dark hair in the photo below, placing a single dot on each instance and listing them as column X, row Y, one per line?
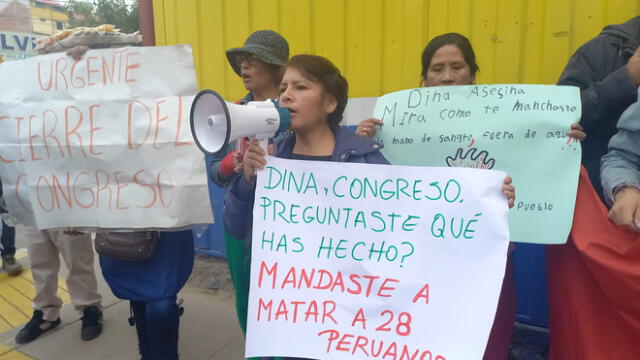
column 447, row 60
column 316, row 94
column 454, row 63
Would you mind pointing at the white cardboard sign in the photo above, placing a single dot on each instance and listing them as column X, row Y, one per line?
column 102, row 142
column 359, row 261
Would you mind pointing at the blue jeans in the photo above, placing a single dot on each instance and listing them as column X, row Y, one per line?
column 8, row 240
column 157, row 325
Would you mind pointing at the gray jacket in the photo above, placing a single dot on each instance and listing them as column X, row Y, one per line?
column 621, row 165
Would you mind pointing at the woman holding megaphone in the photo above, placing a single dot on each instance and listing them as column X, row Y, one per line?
column 316, row 94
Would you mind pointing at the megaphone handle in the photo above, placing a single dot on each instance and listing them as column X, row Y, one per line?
column 264, row 144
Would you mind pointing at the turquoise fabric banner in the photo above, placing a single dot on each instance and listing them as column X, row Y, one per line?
column 520, row 129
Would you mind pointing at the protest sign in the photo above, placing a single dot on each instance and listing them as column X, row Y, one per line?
column 102, row 142
column 520, row 129
column 360, row 261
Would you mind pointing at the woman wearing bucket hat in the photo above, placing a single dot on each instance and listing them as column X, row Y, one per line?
column 259, row 62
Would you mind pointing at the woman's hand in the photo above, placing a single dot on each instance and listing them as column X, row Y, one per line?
column 238, row 165
column 253, row 160
column 367, row 128
column 625, row 211
column 577, row 132
column 509, row 191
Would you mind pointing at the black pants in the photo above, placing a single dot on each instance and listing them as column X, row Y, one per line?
column 8, row 240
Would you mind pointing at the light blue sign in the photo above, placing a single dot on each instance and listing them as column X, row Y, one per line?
column 520, row 129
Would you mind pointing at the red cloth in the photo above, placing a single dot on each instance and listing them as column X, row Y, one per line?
column 227, row 168
column 594, row 286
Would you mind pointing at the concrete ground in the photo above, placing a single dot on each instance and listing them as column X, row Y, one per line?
column 208, row 329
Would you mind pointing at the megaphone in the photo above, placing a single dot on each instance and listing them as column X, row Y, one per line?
column 215, row 122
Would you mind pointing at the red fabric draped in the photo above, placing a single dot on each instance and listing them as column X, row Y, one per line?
column 594, row 286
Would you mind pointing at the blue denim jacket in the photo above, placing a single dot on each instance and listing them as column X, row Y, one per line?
column 621, row 165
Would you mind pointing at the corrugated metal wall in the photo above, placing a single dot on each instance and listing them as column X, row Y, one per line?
column 377, row 43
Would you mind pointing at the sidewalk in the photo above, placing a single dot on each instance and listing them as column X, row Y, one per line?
column 208, row 328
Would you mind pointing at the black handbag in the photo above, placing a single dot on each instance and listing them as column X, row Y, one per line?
column 128, row 246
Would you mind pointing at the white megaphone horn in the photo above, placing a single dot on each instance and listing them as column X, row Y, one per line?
column 215, row 122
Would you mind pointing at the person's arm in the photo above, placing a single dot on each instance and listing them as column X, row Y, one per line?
column 620, row 166
column 238, row 207
column 608, row 97
column 625, row 211
column 620, row 171
column 239, row 200
column 222, row 168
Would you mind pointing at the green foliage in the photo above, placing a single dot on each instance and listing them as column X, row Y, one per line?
column 116, row 12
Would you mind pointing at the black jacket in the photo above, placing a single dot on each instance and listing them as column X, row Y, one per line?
column 599, row 69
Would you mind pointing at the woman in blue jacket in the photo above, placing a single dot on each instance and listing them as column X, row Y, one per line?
column 315, row 93
column 152, row 286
